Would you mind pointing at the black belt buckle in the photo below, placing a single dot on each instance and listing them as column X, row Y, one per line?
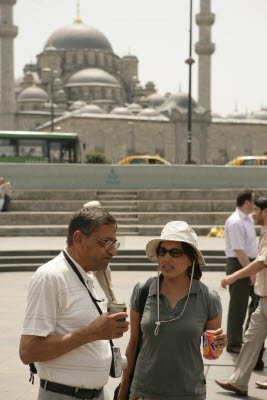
column 86, row 393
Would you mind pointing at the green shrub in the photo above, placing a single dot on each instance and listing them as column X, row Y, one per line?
column 96, row 158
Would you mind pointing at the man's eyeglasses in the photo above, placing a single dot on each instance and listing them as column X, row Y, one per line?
column 174, row 252
column 108, row 244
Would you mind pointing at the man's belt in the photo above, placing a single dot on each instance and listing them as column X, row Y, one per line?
column 78, row 393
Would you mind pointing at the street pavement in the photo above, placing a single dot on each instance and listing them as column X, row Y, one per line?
column 14, row 375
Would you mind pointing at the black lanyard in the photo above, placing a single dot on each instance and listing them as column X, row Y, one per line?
column 75, row 269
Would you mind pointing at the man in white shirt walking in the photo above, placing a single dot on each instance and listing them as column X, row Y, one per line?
column 63, row 333
column 257, row 330
column 241, row 249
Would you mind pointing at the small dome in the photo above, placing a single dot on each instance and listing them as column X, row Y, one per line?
column 155, row 100
column 49, row 105
column 93, row 77
column 78, row 36
column 77, row 104
column 50, row 48
column 149, row 112
column 121, row 111
column 180, row 100
column 215, row 115
column 260, row 115
column 236, row 115
column 134, row 107
column 33, row 93
column 91, row 109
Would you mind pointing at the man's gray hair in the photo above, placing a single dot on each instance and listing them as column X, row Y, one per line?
column 88, row 220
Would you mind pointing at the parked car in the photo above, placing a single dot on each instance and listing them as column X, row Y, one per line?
column 146, row 159
column 248, row 160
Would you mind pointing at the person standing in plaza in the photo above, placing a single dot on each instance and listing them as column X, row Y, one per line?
column 257, row 330
column 241, row 249
column 177, row 310
column 5, row 193
column 103, row 277
column 63, row 333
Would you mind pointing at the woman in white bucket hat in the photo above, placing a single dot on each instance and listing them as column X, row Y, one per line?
column 178, row 309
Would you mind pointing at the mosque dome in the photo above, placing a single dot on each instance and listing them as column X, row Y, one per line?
column 33, row 93
column 78, row 36
column 155, row 100
column 180, row 100
column 92, row 77
column 260, row 115
column 121, row 111
column 91, row 109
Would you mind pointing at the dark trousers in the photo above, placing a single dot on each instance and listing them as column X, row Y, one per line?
column 239, row 295
column 6, row 202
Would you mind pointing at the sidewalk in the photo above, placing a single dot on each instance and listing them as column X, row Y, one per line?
column 14, row 375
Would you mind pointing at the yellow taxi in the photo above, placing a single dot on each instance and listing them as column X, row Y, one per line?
column 145, row 160
column 248, row 161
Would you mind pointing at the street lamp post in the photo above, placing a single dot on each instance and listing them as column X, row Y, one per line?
column 190, row 61
column 52, row 101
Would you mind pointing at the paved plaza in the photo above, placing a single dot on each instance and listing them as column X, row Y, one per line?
column 14, row 375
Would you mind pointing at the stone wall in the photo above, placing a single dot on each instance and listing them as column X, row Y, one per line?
column 104, row 177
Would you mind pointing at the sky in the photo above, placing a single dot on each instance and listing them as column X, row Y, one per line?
column 157, row 32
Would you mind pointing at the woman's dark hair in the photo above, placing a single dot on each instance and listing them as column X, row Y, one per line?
column 88, row 220
column 192, row 255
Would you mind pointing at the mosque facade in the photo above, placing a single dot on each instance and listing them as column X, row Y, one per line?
column 83, row 86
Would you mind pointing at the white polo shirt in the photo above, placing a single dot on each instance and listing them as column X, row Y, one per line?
column 59, row 303
column 240, row 234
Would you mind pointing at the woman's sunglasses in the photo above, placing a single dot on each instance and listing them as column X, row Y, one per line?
column 175, row 252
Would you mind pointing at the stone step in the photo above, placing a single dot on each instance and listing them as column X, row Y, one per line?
column 55, row 230
column 63, row 217
column 54, row 218
column 192, row 194
column 108, row 197
column 129, row 205
column 185, row 206
column 66, row 205
column 150, row 195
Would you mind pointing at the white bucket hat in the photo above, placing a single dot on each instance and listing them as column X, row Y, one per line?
column 93, row 203
column 177, row 231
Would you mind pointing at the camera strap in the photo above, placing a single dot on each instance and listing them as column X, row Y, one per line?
column 95, row 301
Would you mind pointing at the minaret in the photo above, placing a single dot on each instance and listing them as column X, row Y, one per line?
column 204, row 48
column 7, row 90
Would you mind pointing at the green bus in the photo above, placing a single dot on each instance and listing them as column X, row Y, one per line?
column 39, row 147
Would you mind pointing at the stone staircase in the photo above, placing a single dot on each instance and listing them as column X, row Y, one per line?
column 125, row 260
column 142, row 212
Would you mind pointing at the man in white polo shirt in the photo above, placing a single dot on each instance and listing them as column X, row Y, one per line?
column 241, row 249
column 63, row 333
